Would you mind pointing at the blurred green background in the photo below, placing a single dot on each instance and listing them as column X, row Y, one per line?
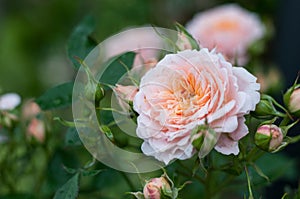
column 34, row 33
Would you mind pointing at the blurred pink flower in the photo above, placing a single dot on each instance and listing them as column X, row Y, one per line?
column 189, row 89
column 269, row 81
column 153, row 188
column 228, row 28
column 30, row 109
column 136, row 39
column 9, row 101
column 36, row 129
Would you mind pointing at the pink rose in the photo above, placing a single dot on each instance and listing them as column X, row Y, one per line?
column 153, row 188
column 228, row 28
column 189, row 89
column 36, row 128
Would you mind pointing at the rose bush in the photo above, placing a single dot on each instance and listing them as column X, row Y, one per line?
column 189, row 89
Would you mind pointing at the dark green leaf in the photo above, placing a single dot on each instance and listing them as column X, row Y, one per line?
column 56, row 97
column 18, row 196
column 68, row 190
column 235, row 169
column 72, row 138
column 117, row 67
column 80, row 43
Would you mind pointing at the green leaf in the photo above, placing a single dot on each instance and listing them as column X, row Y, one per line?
column 69, row 170
column 57, row 97
column 91, row 172
column 260, row 172
column 68, row 190
column 117, row 67
column 80, row 43
column 72, row 138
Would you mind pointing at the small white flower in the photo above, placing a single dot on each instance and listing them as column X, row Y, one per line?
column 9, row 101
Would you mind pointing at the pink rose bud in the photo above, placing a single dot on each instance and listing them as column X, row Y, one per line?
column 183, row 42
column 30, row 110
column 36, row 129
column 268, row 137
column 126, row 92
column 156, row 186
column 294, row 103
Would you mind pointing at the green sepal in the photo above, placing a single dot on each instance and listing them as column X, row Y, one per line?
column 138, row 195
column 198, row 142
column 262, row 141
column 107, row 131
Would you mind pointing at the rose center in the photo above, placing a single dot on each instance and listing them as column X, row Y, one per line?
column 226, row 25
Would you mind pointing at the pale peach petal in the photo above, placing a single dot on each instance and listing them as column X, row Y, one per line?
column 226, row 145
column 241, row 131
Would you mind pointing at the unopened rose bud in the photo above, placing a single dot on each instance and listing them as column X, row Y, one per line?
column 268, row 137
column 126, row 92
column 183, row 42
column 294, row 103
column 265, row 108
column 36, row 129
column 155, row 187
column 30, row 109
